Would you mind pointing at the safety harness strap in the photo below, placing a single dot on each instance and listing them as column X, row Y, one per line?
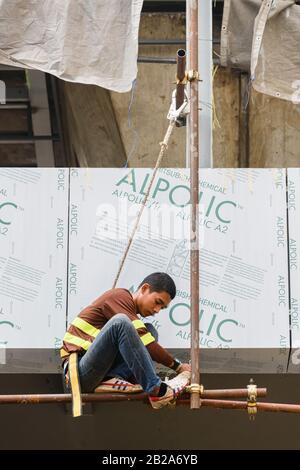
column 75, row 385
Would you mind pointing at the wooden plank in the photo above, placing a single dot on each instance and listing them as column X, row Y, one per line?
column 226, row 120
column 292, row 134
column 94, row 132
column 244, row 121
column 274, row 132
column 143, row 123
column 267, row 131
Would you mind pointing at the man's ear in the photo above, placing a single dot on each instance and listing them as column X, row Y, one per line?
column 145, row 287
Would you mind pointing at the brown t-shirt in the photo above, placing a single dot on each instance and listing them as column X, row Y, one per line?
column 103, row 309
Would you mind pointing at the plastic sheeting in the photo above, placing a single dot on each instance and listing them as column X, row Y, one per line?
column 86, row 41
column 237, row 32
column 263, row 37
column 275, row 61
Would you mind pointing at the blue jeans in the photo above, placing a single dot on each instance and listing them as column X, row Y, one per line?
column 118, row 350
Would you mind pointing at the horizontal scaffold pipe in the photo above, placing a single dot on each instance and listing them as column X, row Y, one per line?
column 111, row 397
column 242, row 405
column 98, row 397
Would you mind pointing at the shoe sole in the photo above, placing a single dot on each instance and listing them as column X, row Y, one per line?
column 111, row 389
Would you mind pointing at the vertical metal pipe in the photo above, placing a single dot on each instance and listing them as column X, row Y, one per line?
column 188, row 61
column 192, row 6
column 180, row 75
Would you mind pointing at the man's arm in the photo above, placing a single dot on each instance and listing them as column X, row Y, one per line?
column 179, row 366
column 162, row 356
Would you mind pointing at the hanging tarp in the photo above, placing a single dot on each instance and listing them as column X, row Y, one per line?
column 262, row 37
column 237, row 32
column 275, row 60
column 84, row 41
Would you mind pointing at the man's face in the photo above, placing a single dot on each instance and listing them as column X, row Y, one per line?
column 150, row 303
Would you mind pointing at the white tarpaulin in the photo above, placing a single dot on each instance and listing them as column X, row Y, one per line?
column 237, row 32
column 275, row 61
column 263, row 36
column 85, row 41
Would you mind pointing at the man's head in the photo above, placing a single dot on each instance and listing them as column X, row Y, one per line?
column 154, row 293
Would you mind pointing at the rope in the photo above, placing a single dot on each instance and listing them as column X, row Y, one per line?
column 73, row 361
column 129, row 124
column 163, row 148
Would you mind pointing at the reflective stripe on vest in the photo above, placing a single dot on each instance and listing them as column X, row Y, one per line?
column 147, row 339
column 92, row 331
column 72, row 339
column 138, row 324
column 85, row 327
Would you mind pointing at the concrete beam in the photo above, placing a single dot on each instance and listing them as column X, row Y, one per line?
column 40, row 117
column 93, row 129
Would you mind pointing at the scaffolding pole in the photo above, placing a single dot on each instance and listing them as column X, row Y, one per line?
column 193, row 137
column 36, row 399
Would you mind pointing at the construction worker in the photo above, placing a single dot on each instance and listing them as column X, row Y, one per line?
column 116, row 349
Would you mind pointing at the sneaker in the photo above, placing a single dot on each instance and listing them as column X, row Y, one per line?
column 180, row 382
column 174, row 388
column 117, row 385
column 167, row 399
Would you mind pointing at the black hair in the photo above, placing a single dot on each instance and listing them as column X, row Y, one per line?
column 159, row 282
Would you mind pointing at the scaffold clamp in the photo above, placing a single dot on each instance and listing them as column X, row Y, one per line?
column 195, row 388
column 251, row 400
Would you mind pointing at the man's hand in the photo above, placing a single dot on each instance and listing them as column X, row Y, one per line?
column 183, row 367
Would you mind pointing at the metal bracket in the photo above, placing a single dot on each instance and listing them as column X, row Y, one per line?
column 181, row 82
column 192, row 75
column 251, row 400
column 195, row 388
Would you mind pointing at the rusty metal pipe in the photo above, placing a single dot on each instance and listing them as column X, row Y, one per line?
column 232, row 393
column 192, row 13
column 35, row 399
column 180, row 76
column 243, row 405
